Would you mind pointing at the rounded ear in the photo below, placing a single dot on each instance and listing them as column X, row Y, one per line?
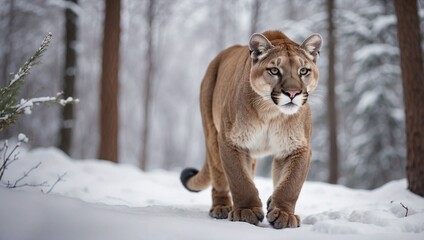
column 312, row 45
column 259, row 46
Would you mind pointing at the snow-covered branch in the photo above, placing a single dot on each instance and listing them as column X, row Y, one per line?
column 10, row 107
column 25, row 69
column 26, row 105
column 6, row 157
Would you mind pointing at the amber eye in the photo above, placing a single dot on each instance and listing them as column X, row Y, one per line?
column 304, row 71
column 273, row 71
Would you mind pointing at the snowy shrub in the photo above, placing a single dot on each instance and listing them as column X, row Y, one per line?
column 9, row 155
column 10, row 105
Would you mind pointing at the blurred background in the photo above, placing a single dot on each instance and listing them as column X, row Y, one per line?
column 363, row 120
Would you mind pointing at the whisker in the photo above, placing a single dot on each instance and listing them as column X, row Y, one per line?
column 265, row 102
column 317, row 101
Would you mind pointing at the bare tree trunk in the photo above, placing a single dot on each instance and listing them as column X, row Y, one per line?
column 256, row 8
column 69, row 73
column 7, row 133
column 109, row 117
column 222, row 25
column 291, row 10
column 332, row 114
column 8, row 42
column 148, row 83
column 413, row 90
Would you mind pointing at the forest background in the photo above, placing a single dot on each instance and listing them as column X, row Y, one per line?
column 168, row 44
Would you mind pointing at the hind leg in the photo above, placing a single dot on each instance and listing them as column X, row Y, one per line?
column 221, row 200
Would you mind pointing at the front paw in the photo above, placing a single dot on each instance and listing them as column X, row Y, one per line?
column 220, row 212
column 279, row 218
column 252, row 215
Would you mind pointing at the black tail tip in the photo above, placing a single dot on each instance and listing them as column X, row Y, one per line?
column 186, row 174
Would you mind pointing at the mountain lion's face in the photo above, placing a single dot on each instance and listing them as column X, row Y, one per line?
column 284, row 73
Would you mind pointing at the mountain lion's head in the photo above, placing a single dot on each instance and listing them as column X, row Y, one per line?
column 283, row 71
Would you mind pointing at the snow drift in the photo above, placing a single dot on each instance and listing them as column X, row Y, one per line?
column 102, row 200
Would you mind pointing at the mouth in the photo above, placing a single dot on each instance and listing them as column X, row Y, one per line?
column 289, row 108
column 285, row 104
column 290, row 104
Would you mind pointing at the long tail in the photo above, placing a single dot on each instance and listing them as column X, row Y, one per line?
column 192, row 179
column 196, row 181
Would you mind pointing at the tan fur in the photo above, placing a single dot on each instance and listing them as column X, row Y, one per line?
column 242, row 120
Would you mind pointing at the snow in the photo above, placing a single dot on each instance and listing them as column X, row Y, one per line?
column 17, row 76
column 63, row 102
column 382, row 23
column 367, row 100
column 376, row 50
column 27, row 104
column 22, row 138
column 101, row 200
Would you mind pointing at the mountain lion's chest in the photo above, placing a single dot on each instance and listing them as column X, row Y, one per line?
column 273, row 138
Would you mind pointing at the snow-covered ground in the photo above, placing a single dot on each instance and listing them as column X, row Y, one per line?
column 101, row 200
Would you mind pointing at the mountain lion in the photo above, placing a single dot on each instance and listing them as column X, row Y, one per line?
column 253, row 102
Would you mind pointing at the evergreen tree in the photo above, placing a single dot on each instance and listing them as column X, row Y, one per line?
column 10, row 105
column 376, row 153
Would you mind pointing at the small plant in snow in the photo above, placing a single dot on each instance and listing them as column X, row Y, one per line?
column 10, row 106
column 406, row 209
column 8, row 156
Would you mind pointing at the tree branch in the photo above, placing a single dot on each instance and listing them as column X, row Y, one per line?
column 60, row 178
column 15, row 185
column 43, row 184
column 406, row 208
